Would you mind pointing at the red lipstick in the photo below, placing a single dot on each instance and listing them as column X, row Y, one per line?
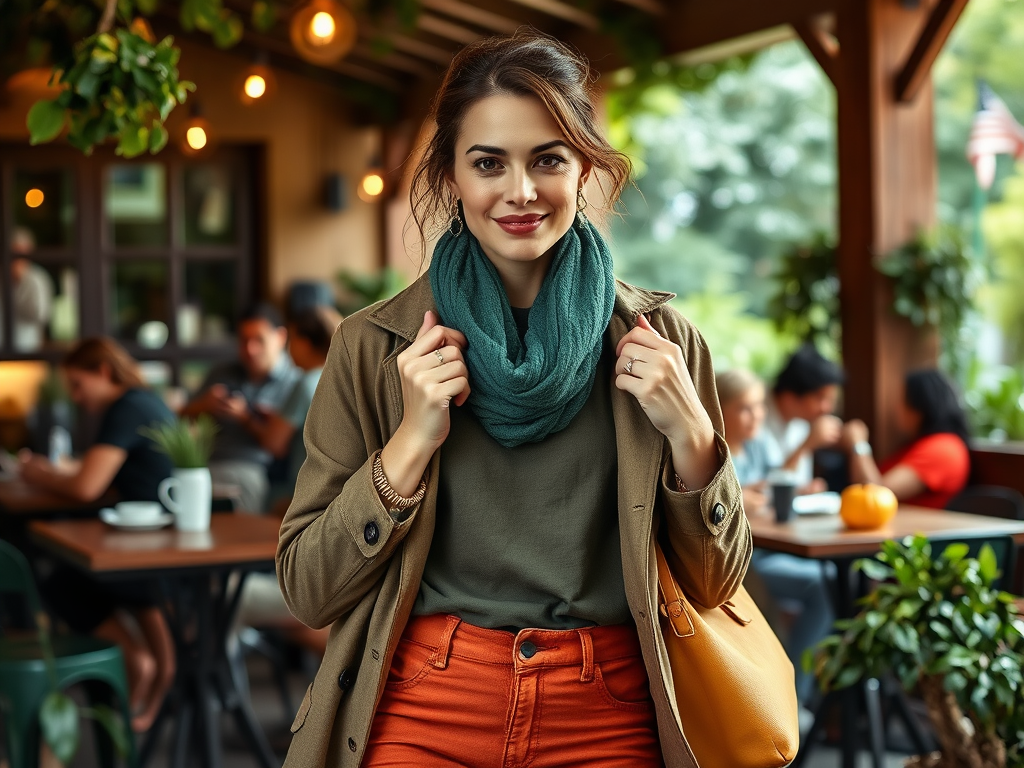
column 520, row 225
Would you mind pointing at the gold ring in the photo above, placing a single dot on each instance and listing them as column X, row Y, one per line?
column 440, row 357
column 629, row 365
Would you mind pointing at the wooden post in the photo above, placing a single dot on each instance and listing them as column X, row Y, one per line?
column 887, row 190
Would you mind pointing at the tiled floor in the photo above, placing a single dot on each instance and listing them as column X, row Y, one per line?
column 270, row 713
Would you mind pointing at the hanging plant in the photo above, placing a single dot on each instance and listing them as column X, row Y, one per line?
column 806, row 303
column 934, row 280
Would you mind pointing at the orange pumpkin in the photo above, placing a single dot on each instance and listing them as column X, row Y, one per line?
column 867, row 506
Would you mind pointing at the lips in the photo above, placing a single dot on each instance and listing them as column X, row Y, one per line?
column 520, row 225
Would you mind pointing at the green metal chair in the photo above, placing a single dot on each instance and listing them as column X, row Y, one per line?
column 25, row 680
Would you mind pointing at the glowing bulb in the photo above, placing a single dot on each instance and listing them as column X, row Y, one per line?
column 373, row 184
column 322, row 28
column 255, row 86
column 34, row 198
column 196, row 137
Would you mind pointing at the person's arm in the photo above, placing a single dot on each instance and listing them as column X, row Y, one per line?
column 707, row 532
column 84, row 480
column 901, row 479
column 825, row 430
column 271, row 430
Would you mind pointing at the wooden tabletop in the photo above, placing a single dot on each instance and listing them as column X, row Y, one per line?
column 19, row 498
column 826, row 536
column 233, row 539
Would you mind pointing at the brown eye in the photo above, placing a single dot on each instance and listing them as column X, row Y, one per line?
column 487, row 164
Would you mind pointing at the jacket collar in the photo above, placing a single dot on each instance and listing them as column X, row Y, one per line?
column 403, row 314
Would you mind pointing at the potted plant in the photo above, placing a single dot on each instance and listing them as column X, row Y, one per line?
column 806, row 303
column 938, row 625
column 189, row 444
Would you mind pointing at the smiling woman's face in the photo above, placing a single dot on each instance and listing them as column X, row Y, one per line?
column 518, row 179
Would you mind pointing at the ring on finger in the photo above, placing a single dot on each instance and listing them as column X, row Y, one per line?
column 440, row 357
column 629, row 365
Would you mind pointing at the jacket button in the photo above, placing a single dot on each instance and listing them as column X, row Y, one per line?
column 352, row 744
column 718, row 513
column 345, row 679
column 371, row 533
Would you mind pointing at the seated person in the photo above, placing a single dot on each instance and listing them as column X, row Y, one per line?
column 799, row 416
column 104, row 380
column 280, row 431
column 934, row 464
column 791, row 581
column 235, row 395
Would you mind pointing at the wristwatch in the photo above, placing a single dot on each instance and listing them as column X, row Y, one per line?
column 862, row 448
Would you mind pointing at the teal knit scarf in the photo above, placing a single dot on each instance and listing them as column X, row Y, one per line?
column 522, row 395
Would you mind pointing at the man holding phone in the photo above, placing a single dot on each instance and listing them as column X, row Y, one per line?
column 235, row 394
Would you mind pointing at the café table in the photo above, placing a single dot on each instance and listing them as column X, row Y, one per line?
column 18, row 498
column 194, row 571
column 826, row 538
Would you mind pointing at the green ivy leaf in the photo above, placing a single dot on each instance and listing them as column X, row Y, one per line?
column 58, row 720
column 45, row 121
column 157, row 138
column 987, row 564
column 264, row 14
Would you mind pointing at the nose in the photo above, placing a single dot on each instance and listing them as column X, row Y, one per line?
column 521, row 189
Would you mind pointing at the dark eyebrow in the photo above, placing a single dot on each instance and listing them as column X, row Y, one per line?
column 502, row 153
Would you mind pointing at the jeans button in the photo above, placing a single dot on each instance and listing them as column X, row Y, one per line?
column 527, row 650
column 371, row 533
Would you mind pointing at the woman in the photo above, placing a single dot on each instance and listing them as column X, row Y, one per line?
column 486, row 453
column 104, row 380
column 935, row 463
column 793, row 582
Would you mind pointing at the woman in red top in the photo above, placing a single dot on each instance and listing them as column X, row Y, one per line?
column 934, row 464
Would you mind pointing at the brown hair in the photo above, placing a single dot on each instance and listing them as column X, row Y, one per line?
column 91, row 354
column 526, row 64
column 734, row 383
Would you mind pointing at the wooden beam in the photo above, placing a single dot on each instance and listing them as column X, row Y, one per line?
column 393, row 60
column 435, row 25
column 418, row 48
column 929, row 44
column 563, row 11
column 822, row 46
column 653, row 7
column 479, row 17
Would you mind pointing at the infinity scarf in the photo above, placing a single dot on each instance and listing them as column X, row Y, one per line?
column 522, row 394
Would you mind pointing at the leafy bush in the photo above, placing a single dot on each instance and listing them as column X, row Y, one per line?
column 188, row 443
column 995, row 401
column 806, row 304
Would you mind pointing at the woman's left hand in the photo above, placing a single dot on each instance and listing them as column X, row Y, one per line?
column 652, row 369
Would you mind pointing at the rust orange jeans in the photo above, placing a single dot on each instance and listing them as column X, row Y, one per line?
column 459, row 695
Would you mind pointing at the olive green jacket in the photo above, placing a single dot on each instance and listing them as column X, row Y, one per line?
column 344, row 561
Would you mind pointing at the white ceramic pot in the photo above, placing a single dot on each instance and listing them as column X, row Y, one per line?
column 191, row 500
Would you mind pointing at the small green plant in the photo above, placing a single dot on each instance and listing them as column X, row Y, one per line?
column 188, row 443
column 941, row 628
column 935, row 280
column 60, row 715
column 363, row 290
column 995, row 400
column 806, row 304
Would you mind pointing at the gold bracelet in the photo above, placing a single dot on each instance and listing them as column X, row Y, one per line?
column 395, row 501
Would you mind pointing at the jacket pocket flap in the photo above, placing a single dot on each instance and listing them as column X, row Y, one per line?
column 300, row 716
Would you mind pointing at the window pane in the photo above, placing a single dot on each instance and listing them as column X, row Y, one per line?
column 141, row 302
column 209, row 205
column 135, row 203
column 44, row 210
column 45, row 305
column 208, row 315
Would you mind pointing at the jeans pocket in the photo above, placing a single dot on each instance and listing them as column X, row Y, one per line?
column 623, row 683
column 409, row 666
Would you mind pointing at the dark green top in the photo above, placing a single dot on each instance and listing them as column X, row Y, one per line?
column 144, row 467
column 529, row 536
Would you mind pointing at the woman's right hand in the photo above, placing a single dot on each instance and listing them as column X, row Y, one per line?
column 434, row 374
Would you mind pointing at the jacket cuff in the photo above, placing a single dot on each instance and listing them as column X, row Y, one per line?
column 372, row 527
column 707, row 510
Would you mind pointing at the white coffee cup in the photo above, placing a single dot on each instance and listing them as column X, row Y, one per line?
column 192, row 499
column 139, row 512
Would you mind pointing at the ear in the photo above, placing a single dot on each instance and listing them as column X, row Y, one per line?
column 453, row 187
column 586, row 169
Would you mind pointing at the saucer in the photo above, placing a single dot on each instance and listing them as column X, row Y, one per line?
column 110, row 517
column 824, row 503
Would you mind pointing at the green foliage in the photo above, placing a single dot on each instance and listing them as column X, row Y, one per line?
column 1003, row 224
column 935, row 617
column 210, row 16
column 188, row 443
column 935, row 280
column 995, row 401
column 117, row 86
column 806, row 304
column 363, row 290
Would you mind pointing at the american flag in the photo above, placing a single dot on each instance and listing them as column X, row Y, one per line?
column 995, row 132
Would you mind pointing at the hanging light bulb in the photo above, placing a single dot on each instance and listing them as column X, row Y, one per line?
column 371, row 186
column 323, row 31
column 258, row 81
column 196, row 137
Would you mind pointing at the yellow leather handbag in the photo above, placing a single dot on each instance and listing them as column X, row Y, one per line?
column 734, row 683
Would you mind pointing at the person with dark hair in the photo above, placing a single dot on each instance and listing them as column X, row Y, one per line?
column 492, row 454
column 935, row 463
column 103, row 379
column 235, row 394
column 799, row 417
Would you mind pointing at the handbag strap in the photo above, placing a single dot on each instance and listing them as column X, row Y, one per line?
column 674, row 604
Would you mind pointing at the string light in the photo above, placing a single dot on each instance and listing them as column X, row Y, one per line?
column 34, row 198
column 372, row 185
column 196, row 137
column 321, row 28
column 323, row 31
column 255, row 86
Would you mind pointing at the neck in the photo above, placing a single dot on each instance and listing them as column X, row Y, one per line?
column 114, row 393
column 783, row 409
column 522, row 279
